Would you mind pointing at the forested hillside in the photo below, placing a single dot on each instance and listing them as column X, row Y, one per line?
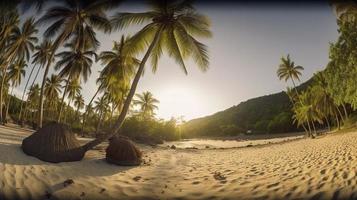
column 265, row 114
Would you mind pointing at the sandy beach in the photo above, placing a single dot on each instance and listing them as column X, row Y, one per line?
column 322, row 168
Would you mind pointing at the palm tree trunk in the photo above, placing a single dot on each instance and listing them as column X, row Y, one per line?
column 345, row 111
column 313, row 125
column 99, row 122
column 339, row 112
column 8, row 103
column 62, row 100
column 129, row 98
column 32, row 84
column 64, row 111
column 337, row 120
column 23, row 93
column 328, row 123
column 308, row 125
column 12, row 58
column 86, row 112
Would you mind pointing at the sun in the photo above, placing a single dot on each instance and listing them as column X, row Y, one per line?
column 178, row 101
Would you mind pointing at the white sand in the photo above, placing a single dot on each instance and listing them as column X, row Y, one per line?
column 320, row 168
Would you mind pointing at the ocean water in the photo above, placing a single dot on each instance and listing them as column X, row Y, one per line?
column 220, row 143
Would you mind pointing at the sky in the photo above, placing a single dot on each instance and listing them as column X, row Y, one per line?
column 245, row 50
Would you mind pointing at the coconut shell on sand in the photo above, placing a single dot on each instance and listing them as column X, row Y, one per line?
column 53, row 143
column 121, row 151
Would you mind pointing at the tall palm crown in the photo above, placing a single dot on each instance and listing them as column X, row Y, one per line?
column 75, row 20
column 101, row 105
column 8, row 22
column 288, row 70
column 42, row 52
column 33, row 94
column 22, row 41
column 177, row 23
column 74, row 88
column 75, row 63
column 53, row 87
column 147, row 103
column 118, row 64
column 79, row 101
column 16, row 72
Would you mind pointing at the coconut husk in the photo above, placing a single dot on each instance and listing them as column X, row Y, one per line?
column 53, row 143
column 121, row 151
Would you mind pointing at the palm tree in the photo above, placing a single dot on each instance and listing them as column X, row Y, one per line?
column 16, row 72
column 21, row 43
column 73, row 64
column 73, row 89
column 52, row 90
column 40, row 57
column 74, row 21
column 78, row 103
column 119, row 69
column 101, row 107
column 147, row 104
column 172, row 26
column 287, row 70
column 33, row 100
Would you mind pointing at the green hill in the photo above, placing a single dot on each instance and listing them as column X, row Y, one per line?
column 265, row 114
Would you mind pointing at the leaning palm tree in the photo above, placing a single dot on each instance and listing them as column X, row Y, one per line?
column 119, row 69
column 147, row 104
column 170, row 26
column 288, row 70
column 21, row 43
column 16, row 72
column 40, row 57
column 74, row 21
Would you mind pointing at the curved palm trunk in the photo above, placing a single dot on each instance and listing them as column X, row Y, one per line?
column 345, row 111
column 339, row 112
column 86, row 112
column 23, row 93
column 297, row 94
column 8, row 103
column 32, row 84
column 328, row 123
column 337, row 120
column 130, row 96
column 62, row 100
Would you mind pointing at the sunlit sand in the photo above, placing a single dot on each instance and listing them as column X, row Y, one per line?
column 321, row 168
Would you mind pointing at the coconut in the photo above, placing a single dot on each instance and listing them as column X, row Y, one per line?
column 53, row 143
column 121, row 151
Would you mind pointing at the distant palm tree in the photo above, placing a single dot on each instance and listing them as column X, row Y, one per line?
column 52, row 91
column 78, row 103
column 73, row 89
column 147, row 104
column 171, row 26
column 74, row 64
column 288, row 70
column 40, row 57
column 16, row 72
column 74, row 21
column 21, row 43
column 33, row 101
